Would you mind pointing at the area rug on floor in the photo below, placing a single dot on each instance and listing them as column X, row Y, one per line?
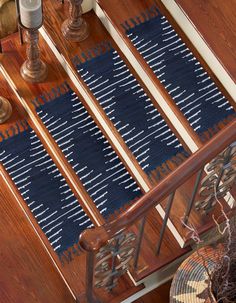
column 43, row 188
column 182, row 75
column 89, row 153
column 130, row 109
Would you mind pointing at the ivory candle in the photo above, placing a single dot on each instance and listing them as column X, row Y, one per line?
column 31, row 13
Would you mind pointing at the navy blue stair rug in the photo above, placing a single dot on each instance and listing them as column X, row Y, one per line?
column 126, row 104
column 94, row 161
column 178, row 70
column 43, row 189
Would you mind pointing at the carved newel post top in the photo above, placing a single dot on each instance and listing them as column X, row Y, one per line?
column 75, row 28
column 93, row 239
column 5, row 109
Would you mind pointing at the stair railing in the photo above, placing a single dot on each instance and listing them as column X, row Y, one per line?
column 111, row 247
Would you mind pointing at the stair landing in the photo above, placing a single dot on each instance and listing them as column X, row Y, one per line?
column 215, row 20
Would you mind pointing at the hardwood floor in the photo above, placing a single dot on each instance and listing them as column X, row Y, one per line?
column 216, row 22
column 161, row 294
column 27, row 273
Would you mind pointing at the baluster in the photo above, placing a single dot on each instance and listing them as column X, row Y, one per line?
column 91, row 244
column 222, row 169
column 163, row 228
column 194, row 193
column 139, row 242
column 221, row 177
column 113, row 260
column 115, row 250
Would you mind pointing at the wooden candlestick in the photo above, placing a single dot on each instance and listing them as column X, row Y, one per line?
column 75, row 27
column 33, row 69
column 5, row 109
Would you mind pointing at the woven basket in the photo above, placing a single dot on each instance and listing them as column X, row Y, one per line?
column 191, row 283
column 8, row 20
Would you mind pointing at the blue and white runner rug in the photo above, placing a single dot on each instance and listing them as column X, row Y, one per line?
column 130, row 109
column 182, row 75
column 91, row 156
column 43, row 188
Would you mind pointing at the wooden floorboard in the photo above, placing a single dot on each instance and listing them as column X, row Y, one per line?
column 27, row 273
column 215, row 20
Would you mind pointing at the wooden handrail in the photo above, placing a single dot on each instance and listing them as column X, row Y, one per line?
column 93, row 239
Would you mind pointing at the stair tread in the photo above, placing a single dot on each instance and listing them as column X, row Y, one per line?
column 18, row 115
column 130, row 23
column 141, row 126
column 43, row 188
column 131, row 111
column 90, row 154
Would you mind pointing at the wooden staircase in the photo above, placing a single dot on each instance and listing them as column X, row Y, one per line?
column 71, row 274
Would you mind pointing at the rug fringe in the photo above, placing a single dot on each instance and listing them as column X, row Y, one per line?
column 123, row 208
column 55, row 92
column 205, row 136
column 14, row 129
column 145, row 16
column 98, row 50
column 76, row 250
column 71, row 253
column 167, row 167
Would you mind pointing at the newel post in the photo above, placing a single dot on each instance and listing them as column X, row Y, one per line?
column 91, row 240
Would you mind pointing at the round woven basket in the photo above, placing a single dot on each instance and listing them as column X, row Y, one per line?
column 191, row 282
column 8, row 19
